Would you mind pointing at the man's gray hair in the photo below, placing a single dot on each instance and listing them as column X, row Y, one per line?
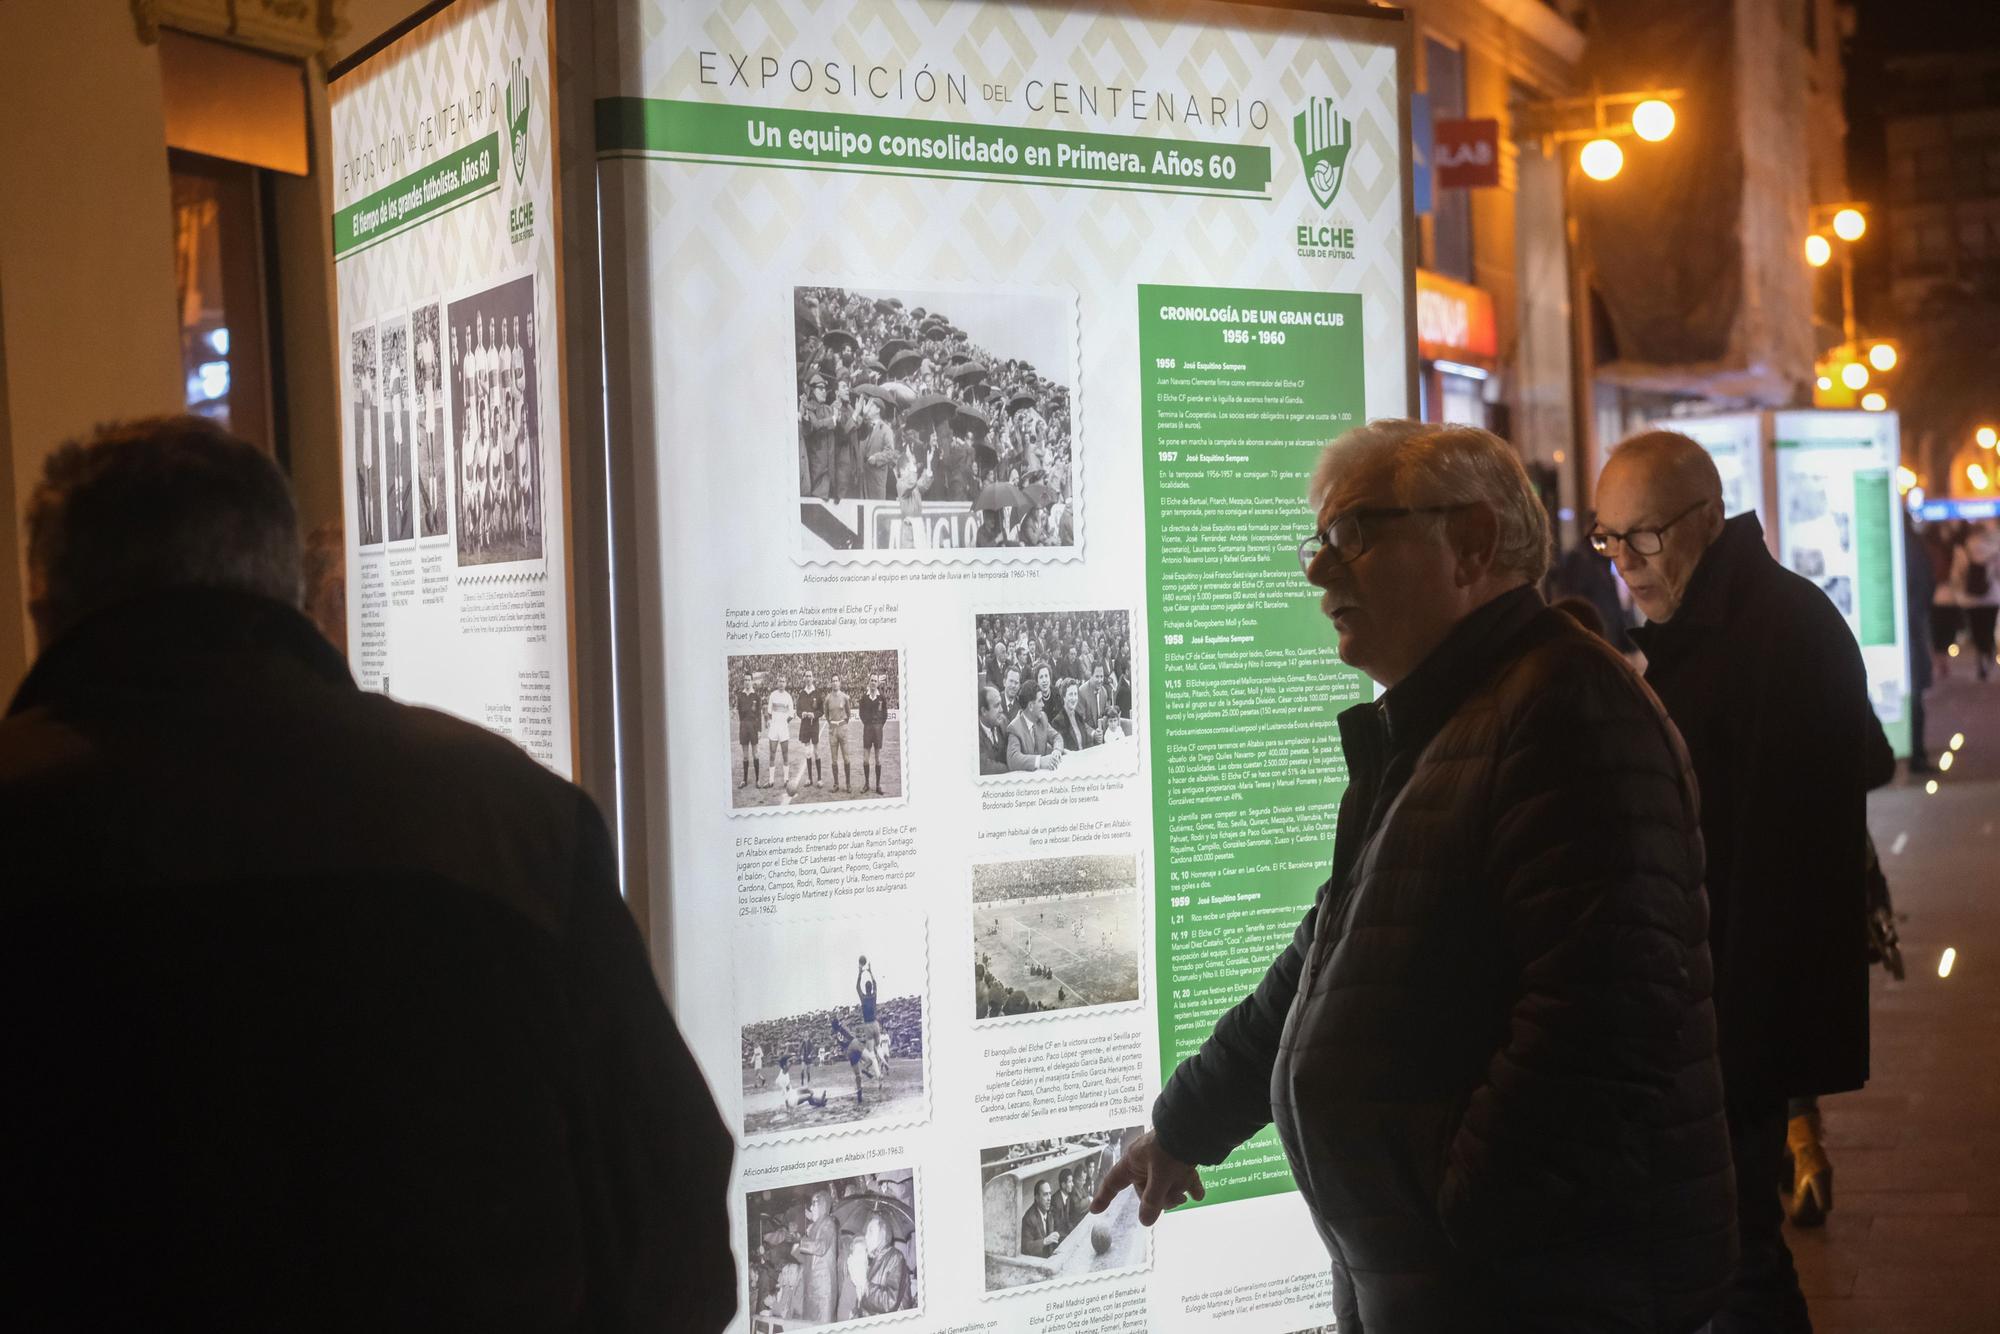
column 1428, row 464
column 155, row 504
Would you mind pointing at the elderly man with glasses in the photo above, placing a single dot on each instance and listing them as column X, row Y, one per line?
column 1489, row 1048
column 1764, row 679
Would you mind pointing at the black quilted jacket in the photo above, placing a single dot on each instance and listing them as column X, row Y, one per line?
column 1490, row 1048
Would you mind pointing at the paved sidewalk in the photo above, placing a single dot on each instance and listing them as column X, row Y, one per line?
column 1913, row 1243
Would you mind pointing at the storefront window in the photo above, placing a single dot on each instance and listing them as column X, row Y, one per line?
column 219, row 290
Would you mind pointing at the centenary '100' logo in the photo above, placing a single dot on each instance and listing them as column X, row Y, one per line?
column 1323, row 136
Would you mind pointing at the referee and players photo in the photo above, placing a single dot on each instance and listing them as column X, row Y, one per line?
column 1054, row 933
column 821, row 727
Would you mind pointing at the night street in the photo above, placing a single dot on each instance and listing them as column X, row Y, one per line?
column 1909, row 1246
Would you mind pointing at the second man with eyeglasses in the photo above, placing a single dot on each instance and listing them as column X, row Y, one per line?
column 1765, row 681
column 1489, row 1047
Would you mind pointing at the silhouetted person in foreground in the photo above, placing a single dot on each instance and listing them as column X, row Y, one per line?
column 323, row 1012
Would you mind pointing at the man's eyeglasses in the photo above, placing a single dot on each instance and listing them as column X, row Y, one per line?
column 1345, row 536
column 1639, row 541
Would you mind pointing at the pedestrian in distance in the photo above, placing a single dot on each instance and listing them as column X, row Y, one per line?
column 1919, row 592
column 1975, row 582
column 325, row 1012
column 1489, row 1047
column 1764, row 679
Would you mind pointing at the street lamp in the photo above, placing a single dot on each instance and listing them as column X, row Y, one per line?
column 1850, row 224
column 1653, row 120
column 1601, row 159
column 1595, row 123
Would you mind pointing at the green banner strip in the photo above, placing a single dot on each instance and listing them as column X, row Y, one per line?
column 450, row 181
column 1875, row 556
column 708, row 131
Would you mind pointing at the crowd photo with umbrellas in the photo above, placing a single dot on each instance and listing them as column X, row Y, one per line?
column 935, row 421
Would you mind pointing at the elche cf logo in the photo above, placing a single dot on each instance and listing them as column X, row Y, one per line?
column 517, row 120
column 1323, row 136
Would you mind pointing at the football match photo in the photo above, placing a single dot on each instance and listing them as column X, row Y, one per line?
column 1055, row 933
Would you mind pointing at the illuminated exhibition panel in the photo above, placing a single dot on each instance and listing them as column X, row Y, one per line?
column 965, row 368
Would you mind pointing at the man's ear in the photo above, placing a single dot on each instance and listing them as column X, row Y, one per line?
column 1474, row 534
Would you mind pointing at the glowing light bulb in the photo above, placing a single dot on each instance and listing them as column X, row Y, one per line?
column 1944, row 762
column 1946, row 960
column 1957, row 740
column 1882, row 357
column 1601, row 159
column 1986, row 437
column 1854, row 375
column 1818, row 250
column 1652, row 120
column 1905, row 480
column 1930, row 788
column 1849, row 225
column 1825, row 383
column 1873, row 402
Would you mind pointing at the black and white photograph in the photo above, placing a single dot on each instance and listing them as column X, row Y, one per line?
column 1035, row 1205
column 399, row 484
column 831, row 1012
column 935, row 422
column 1054, row 692
column 815, row 728
column 1054, row 933
column 496, row 417
column 364, row 378
column 427, row 358
column 834, row 1251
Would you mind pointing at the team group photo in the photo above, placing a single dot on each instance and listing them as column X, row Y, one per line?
column 1035, row 1208
column 1054, row 692
column 815, row 728
column 832, row 1022
column 829, row 1252
column 935, row 421
column 496, row 418
column 1054, row 933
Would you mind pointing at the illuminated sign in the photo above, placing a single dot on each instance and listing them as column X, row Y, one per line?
column 1466, row 153
column 1454, row 321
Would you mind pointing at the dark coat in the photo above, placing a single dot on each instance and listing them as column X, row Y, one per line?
column 324, row 1011
column 992, row 749
column 1764, row 679
column 1489, row 1047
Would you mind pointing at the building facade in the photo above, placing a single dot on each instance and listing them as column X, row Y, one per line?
column 1494, row 313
